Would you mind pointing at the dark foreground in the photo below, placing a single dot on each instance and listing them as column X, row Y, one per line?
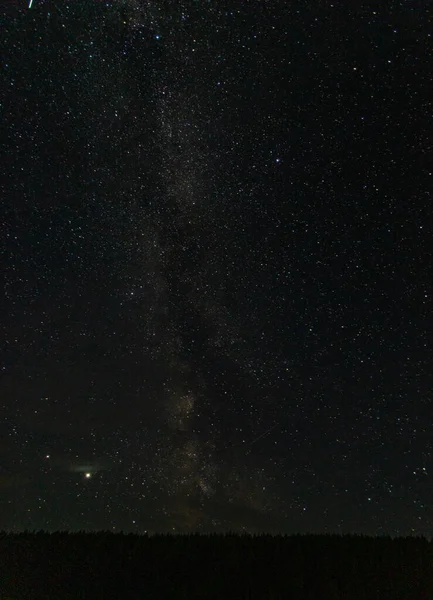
column 104, row 566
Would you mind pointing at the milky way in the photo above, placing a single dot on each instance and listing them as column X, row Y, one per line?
column 216, row 293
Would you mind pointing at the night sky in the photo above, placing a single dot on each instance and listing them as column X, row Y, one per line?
column 214, row 224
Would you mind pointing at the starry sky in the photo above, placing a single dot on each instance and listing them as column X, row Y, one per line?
column 216, row 267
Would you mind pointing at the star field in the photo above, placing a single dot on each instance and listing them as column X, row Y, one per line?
column 217, row 268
